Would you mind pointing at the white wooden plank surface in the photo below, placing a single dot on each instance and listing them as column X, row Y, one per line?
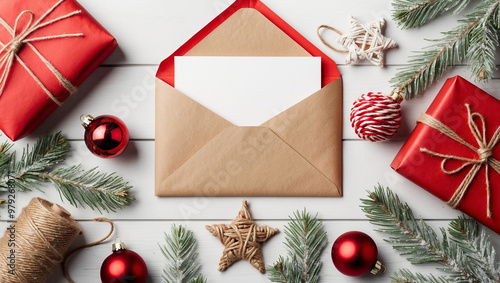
column 137, row 165
column 144, row 237
column 150, row 30
column 128, row 92
column 147, row 32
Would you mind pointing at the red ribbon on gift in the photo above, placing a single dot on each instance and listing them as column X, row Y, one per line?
column 18, row 40
column 484, row 152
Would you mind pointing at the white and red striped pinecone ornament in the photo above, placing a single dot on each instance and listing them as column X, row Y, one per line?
column 375, row 116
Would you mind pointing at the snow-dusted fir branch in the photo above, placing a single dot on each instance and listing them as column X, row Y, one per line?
column 6, row 162
column 413, row 237
column 47, row 152
column 480, row 256
column 483, row 40
column 406, row 276
column 80, row 187
column 428, row 65
column 474, row 41
column 305, row 240
column 91, row 187
column 415, row 13
column 181, row 263
column 464, row 254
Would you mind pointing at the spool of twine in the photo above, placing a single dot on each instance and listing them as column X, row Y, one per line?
column 32, row 247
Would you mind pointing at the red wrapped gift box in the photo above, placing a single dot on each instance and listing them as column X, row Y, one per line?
column 48, row 48
column 461, row 166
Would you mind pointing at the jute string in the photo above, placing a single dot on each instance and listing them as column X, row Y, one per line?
column 20, row 39
column 484, row 152
column 63, row 264
column 42, row 234
column 326, row 43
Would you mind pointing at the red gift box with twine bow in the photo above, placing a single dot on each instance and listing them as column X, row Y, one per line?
column 47, row 49
column 454, row 151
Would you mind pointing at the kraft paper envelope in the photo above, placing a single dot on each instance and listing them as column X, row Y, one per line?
column 296, row 153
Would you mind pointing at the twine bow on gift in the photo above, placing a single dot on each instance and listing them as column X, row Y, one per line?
column 20, row 39
column 484, row 152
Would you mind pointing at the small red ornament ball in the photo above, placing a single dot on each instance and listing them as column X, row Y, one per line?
column 354, row 253
column 105, row 136
column 123, row 266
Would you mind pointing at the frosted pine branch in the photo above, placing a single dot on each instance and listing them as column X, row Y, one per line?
column 479, row 254
column 179, row 252
column 305, row 240
column 415, row 13
column 473, row 41
column 90, row 188
column 464, row 254
column 406, row 276
column 484, row 41
column 430, row 64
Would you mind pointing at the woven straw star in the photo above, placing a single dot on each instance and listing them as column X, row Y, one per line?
column 366, row 42
column 242, row 239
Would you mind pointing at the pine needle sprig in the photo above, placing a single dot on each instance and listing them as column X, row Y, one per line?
column 179, row 251
column 465, row 233
column 4, row 152
column 96, row 190
column 285, row 271
column 47, row 152
column 415, row 13
column 484, row 40
column 464, row 254
column 406, row 276
column 420, row 241
column 474, row 40
column 5, row 164
column 90, row 188
column 430, row 64
column 305, row 240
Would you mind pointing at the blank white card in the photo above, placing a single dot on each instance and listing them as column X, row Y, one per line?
column 247, row 91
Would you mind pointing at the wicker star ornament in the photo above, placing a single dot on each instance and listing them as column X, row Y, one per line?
column 363, row 41
column 242, row 239
column 366, row 42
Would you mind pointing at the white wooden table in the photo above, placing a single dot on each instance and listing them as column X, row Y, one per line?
column 149, row 31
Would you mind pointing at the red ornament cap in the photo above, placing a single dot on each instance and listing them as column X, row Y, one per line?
column 355, row 253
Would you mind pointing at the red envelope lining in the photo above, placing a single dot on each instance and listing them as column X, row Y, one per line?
column 166, row 71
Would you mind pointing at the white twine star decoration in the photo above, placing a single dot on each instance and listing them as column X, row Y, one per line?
column 366, row 42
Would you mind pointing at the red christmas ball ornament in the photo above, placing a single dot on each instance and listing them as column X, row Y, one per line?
column 375, row 116
column 105, row 136
column 355, row 253
column 123, row 266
